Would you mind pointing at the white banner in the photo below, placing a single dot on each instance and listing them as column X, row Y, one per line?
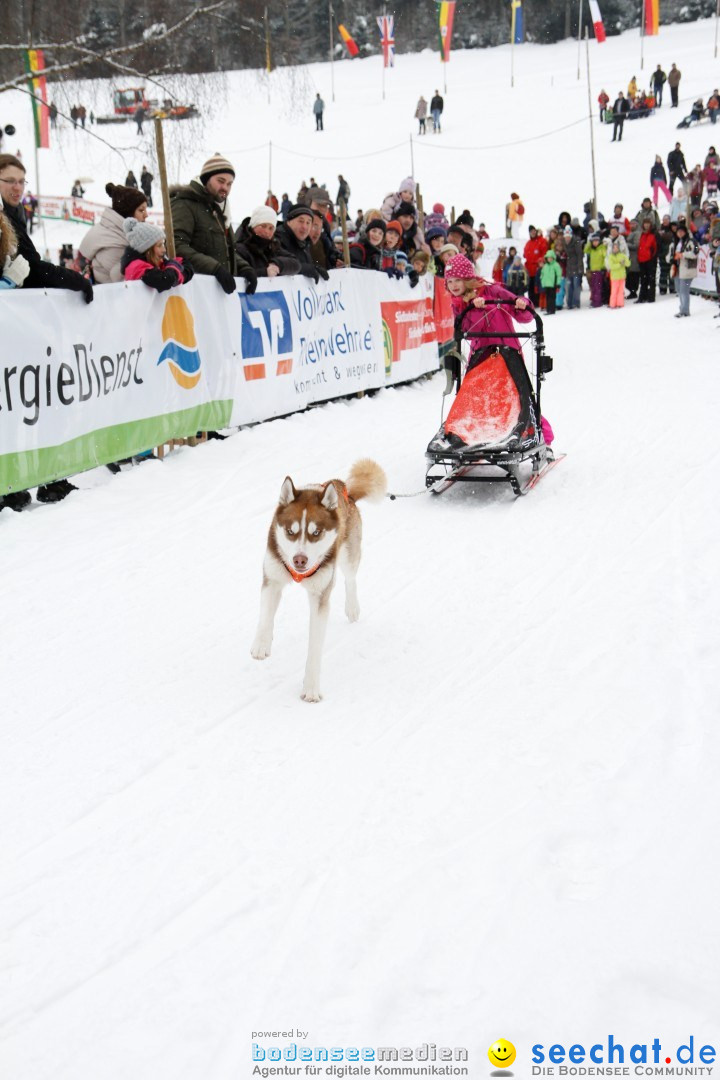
column 86, row 384
column 302, row 343
column 704, row 280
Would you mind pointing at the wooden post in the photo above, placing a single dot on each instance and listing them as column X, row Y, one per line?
column 162, row 168
column 343, row 226
column 421, row 212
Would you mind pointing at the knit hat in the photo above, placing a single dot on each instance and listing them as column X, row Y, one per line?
column 394, row 226
column 406, row 208
column 298, row 211
column 435, row 231
column 438, row 208
column 460, row 267
column 125, row 200
column 567, row 230
column 319, row 195
column 401, row 259
column 596, row 236
column 408, row 184
column 214, row 165
column 376, row 223
column 421, row 256
column 142, row 235
column 465, row 218
column 452, row 248
column 263, row 215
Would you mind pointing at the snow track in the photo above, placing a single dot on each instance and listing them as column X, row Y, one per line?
column 513, row 740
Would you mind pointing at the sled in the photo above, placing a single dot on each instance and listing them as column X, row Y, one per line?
column 493, row 431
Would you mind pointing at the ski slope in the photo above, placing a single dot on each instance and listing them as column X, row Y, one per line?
column 501, row 819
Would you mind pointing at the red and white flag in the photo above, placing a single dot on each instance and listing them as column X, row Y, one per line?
column 597, row 20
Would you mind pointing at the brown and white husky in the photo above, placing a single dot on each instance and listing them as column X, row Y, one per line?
column 315, row 529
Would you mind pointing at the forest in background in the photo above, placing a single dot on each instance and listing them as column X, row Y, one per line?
column 232, row 35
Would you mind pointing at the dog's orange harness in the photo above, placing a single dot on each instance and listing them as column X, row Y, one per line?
column 306, row 573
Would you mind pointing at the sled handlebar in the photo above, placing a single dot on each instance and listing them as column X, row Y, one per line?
column 537, row 332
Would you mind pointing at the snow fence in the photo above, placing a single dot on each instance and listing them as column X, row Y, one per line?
column 83, row 385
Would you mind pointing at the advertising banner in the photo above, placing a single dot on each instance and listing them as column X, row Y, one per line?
column 83, row 385
column 86, row 384
column 704, row 280
column 82, row 211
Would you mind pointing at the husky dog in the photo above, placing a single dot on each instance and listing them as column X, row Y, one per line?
column 315, row 529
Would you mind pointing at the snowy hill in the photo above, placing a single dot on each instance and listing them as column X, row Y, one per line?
column 501, row 820
column 533, row 138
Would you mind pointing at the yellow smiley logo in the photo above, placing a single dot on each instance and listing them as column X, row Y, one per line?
column 502, row 1054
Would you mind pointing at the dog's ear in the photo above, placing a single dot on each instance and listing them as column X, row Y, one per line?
column 329, row 497
column 288, row 493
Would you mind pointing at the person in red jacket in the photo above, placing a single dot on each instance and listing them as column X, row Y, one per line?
column 647, row 260
column 603, row 100
column 534, row 253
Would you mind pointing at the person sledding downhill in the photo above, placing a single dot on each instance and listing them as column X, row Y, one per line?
column 494, row 425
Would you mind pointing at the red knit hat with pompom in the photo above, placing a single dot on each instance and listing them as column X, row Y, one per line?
column 460, row 267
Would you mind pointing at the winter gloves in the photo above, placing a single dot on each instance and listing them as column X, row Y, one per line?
column 83, row 285
column 225, row 279
column 15, row 270
column 315, row 272
column 411, row 275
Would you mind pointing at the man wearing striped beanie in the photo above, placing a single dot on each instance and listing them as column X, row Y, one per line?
column 202, row 226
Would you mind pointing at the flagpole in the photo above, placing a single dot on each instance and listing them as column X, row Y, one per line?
column 332, row 69
column 642, row 34
column 268, row 59
column 382, row 49
column 580, row 15
column 590, row 119
column 37, row 191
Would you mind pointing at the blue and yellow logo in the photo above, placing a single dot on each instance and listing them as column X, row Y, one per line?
column 180, row 351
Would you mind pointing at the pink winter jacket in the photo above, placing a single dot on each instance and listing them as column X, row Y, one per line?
column 135, row 270
column 492, row 319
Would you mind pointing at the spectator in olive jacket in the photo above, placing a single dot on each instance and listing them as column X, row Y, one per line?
column 202, row 228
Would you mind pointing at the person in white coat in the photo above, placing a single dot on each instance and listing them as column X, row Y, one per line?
column 105, row 243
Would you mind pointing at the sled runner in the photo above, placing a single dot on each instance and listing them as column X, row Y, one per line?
column 494, row 430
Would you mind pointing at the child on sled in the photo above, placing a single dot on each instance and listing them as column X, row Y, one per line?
column 472, row 303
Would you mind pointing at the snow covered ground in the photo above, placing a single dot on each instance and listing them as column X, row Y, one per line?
column 502, row 819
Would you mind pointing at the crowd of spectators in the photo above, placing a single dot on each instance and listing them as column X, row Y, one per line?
column 619, row 258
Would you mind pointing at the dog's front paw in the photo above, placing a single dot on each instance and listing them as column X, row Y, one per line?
column 352, row 611
column 311, row 693
column 260, row 649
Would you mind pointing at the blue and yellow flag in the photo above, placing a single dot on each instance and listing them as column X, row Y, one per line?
column 517, row 34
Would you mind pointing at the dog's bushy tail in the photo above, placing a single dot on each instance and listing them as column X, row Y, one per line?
column 367, row 480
